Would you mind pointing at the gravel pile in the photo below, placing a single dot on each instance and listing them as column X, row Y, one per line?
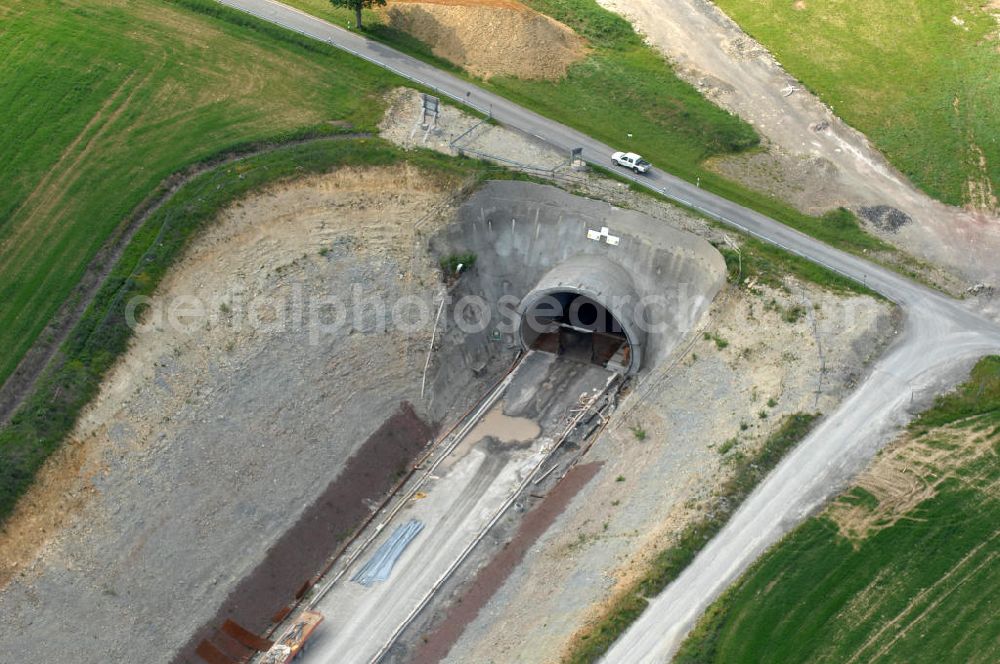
column 884, row 217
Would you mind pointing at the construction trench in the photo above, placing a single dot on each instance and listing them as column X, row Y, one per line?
column 231, row 474
column 573, row 297
column 227, row 469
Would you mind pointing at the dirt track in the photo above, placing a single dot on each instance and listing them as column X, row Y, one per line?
column 816, row 161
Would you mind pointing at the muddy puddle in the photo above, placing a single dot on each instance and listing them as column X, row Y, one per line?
column 504, row 428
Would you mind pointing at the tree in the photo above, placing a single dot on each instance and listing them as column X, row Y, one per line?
column 357, row 5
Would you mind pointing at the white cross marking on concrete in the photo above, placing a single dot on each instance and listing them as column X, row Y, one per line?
column 603, row 234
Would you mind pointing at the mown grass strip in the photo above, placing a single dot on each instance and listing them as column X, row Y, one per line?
column 48, row 415
column 748, row 471
column 100, row 102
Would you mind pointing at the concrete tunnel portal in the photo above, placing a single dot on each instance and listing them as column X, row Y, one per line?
column 585, row 309
column 589, row 281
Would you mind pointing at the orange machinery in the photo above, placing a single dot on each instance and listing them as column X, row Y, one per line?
column 293, row 640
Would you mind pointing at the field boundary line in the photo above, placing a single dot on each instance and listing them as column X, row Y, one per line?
column 45, row 349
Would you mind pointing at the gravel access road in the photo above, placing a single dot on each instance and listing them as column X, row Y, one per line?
column 940, row 340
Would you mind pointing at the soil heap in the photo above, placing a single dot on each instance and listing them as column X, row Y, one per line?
column 490, row 37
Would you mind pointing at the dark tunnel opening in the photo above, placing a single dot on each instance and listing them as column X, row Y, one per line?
column 577, row 327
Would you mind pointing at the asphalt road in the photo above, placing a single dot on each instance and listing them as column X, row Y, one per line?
column 940, row 339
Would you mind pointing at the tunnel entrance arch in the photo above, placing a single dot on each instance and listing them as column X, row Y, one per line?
column 584, row 309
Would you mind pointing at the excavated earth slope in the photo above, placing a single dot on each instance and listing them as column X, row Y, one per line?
column 217, row 431
column 492, row 37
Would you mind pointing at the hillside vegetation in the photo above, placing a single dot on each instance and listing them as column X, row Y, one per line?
column 101, row 100
column 918, row 77
column 900, row 568
column 102, row 335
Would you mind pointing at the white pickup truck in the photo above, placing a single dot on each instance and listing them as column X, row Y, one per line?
column 631, row 160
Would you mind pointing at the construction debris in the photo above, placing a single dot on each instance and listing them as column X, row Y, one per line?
column 379, row 566
column 293, row 641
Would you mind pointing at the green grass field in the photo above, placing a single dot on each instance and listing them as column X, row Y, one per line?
column 919, row 588
column 101, row 100
column 925, row 90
